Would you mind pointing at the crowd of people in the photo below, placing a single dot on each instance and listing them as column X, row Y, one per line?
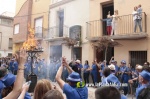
column 75, row 83
column 126, row 79
column 39, row 66
column 112, row 20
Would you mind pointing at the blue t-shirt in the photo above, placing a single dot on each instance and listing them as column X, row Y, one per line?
column 15, row 65
column 27, row 96
column 108, row 21
column 94, row 69
column 102, row 68
column 11, row 65
column 75, row 93
column 123, row 96
column 116, row 68
column 124, row 69
column 139, row 89
column 85, row 68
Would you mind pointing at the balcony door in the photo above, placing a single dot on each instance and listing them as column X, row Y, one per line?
column 105, row 9
column 100, row 55
column 60, row 23
column 77, row 53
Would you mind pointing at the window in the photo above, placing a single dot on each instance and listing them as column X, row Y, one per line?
column 9, row 54
column 16, row 29
column 10, row 44
column 138, row 57
column 38, row 25
column 6, row 22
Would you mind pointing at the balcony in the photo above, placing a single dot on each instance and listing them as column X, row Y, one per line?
column 125, row 28
column 39, row 33
column 55, row 33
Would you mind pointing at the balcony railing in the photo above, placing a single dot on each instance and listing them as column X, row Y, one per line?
column 125, row 28
column 57, row 33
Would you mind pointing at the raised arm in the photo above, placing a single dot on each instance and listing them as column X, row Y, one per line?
column 58, row 77
column 24, row 90
column 19, row 79
column 67, row 65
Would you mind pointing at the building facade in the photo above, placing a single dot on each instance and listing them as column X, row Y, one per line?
column 21, row 20
column 67, row 19
column 6, row 35
column 135, row 44
column 35, row 13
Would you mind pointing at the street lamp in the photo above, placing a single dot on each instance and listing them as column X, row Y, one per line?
column 32, row 48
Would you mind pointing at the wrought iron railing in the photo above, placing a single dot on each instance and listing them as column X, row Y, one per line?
column 125, row 26
column 56, row 32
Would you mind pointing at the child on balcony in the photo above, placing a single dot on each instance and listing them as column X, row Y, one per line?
column 108, row 21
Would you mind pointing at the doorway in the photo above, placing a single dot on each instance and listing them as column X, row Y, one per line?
column 100, row 55
column 61, row 23
column 77, row 53
column 105, row 9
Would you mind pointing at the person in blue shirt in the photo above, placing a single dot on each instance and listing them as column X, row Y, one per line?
column 108, row 22
column 8, row 82
column 110, row 77
column 144, row 78
column 27, row 66
column 79, row 65
column 15, row 66
column 74, row 89
column 102, row 66
column 94, row 72
column 86, row 72
column 11, row 65
column 124, row 75
column 35, row 67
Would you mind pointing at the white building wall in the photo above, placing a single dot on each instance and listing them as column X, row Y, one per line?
column 76, row 12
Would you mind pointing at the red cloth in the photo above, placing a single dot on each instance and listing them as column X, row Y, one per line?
column 109, row 30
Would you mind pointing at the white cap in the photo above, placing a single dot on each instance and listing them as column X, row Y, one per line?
column 78, row 61
column 139, row 67
column 112, row 67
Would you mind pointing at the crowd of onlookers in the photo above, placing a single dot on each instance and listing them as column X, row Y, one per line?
column 75, row 83
column 127, row 79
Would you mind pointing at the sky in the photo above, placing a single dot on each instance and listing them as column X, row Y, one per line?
column 7, row 5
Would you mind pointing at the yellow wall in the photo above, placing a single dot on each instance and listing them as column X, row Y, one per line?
column 19, row 4
column 16, row 47
column 41, row 8
column 124, row 7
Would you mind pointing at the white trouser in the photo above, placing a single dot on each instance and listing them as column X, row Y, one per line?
column 114, row 28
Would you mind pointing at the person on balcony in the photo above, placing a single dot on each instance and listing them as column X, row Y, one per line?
column 137, row 17
column 108, row 22
column 139, row 11
column 114, row 23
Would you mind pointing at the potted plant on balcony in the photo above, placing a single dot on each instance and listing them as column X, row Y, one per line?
column 69, row 42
